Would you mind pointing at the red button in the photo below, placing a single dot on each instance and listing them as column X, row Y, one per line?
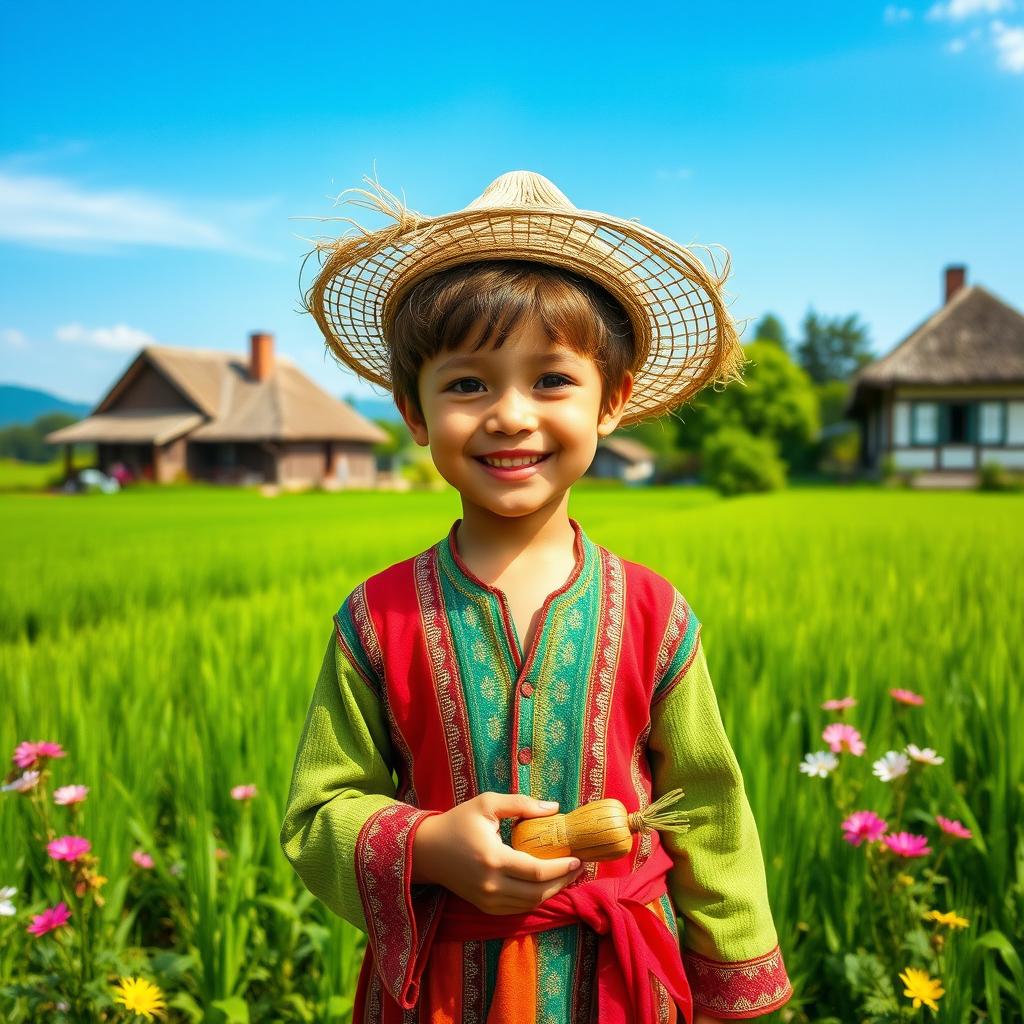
column 525, row 755
column 527, row 689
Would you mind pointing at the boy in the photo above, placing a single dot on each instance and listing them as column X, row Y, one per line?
column 515, row 662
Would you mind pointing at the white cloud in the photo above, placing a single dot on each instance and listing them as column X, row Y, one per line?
column 13, row 337
column 119, row 338
column 1009, row 42
column 957, row 10
column 893, row 14
column 57, row 213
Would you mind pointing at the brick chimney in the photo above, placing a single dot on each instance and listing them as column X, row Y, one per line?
column 956, row 278
column 261, row 355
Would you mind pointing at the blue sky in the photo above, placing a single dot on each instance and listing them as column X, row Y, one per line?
column 152, row 158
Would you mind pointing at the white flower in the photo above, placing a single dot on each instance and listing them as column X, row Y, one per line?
column 891, row 766
column 820, row 763
column 23, row 785
column 7, row 908
column 926, row 756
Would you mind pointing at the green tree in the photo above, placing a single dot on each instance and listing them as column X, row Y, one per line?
column 832, row 349
column 770, row 328
column 775, row 400
column 25, row 441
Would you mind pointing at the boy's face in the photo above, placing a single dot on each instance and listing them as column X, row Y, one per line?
column 529, row 397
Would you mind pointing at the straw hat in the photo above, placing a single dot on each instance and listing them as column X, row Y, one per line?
column 684, row 335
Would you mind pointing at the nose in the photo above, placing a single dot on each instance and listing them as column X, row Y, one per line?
column 512, row 412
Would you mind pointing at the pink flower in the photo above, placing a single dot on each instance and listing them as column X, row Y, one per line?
column 840, row 736
column 906, row 696
column 27, row 754
column 68, row 847
column 22, row 784
column 49, row 920
column 863, row 825
column 243, row 792
column 953, row 827
column 70, row 795
column 142, row 859
column 839, row 705
column 907, row 845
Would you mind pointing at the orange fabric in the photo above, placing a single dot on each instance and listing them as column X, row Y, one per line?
column 515, row 995
column 443, row 999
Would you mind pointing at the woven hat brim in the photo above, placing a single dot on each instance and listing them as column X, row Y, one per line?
column 685, row 338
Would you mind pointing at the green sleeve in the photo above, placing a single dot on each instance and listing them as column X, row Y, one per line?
column 717, row 883
column 346, row 834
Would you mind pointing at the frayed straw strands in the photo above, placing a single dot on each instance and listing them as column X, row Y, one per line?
column 685, row 338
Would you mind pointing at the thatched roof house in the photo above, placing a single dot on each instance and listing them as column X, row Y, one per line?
column 218, row 417
column 950, row 396
column 624, row 459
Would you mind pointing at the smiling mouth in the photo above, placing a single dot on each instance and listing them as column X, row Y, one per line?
column 510, row 463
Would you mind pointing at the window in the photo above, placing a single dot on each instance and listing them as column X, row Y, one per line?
column 992, row 423
column 924, row 423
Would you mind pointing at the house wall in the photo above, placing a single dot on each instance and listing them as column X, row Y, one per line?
column 607, row 464
column 151, row 391
column 353, row 464
column 310, row 462
column 990, row 407
column 169, row 460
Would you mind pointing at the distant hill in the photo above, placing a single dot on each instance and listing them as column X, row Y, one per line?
column 24, row 405
column 374, row 408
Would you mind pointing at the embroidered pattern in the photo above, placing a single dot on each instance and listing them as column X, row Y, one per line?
column 381, row 868
column 742, row 989
column 446, row 681
column 678, row 648
column 642, row 790
column 368, row 642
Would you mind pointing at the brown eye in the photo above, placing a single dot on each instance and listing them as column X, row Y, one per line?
column 557, row 377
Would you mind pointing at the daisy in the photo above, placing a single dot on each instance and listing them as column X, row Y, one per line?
column 243, row 792
column 49, row 920
column 27, row 754
column 950, row 919
column 139, row 996
column 953, row 828
column 891, row 766
column 820, row 763
column 22, row 784
column 863, row 825
column 70, row 795
column 921, row 988
column 905, row 844
column 142, row 859
column 7, row 908
column 924, row 756
column 906, row 697
column 840, row 736
column 68, row 847
column 839, row 705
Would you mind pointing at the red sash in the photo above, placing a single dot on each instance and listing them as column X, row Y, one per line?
column 634, row 945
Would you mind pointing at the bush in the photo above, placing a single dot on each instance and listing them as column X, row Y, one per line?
column 736, row 462
column 995, row 477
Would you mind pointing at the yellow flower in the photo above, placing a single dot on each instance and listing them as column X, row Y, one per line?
column 905, row 879
column 139, row 996
column 950, row 919
column 921, row 988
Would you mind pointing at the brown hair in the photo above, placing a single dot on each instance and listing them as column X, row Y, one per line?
column 441, row 311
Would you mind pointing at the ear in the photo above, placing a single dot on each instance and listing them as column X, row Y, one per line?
column 416, row 424
column 615, row 406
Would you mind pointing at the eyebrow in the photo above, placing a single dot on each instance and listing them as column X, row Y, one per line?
column 474, row 360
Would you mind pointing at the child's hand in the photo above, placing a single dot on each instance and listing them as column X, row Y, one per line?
column 462, row 850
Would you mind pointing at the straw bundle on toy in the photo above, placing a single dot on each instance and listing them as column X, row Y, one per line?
column 599, row 830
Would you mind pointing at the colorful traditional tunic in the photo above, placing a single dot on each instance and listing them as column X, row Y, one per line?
column 424, row 676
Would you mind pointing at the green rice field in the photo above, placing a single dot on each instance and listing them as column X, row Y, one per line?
column 170, row 642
